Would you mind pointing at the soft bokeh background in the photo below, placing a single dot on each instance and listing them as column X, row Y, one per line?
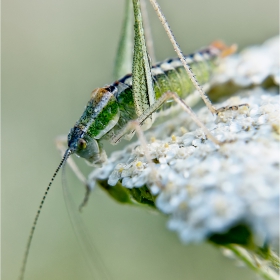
column 54, row 54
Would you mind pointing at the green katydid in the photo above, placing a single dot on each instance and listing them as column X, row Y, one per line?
column 137, row 97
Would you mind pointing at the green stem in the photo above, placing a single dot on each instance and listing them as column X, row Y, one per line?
column 252, row 262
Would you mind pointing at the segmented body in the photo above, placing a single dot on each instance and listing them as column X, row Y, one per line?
column 112, row 107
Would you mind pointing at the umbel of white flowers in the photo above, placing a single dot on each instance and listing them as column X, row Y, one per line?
column 208, row 189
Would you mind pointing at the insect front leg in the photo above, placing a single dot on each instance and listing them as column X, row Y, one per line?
column 128, row 131
column 61, row 145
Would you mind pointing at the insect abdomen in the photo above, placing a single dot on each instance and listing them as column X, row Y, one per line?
column 170, row 75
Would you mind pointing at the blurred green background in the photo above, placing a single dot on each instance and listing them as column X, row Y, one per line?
column 54, row 54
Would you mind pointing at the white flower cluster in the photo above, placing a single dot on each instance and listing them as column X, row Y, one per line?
column 205, row 188
column 208, row 188
column 252, row 66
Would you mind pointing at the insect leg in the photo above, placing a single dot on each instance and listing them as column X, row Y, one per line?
column 148, row 32
column 233, row 108
column 60, row 143
column 123, row 60
column 135, row 126
column 186, row 66
column 155, row 106
column 182, row 57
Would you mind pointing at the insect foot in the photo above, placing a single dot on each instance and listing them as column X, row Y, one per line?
column 233, row 108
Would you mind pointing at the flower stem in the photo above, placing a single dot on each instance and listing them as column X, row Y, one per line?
column 252, row 261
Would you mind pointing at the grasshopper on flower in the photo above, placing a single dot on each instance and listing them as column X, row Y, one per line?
column 133, row 102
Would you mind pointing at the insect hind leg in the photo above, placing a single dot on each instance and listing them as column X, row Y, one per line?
column 172, row 95
column 131, row 126
column 231, row 108
column 225, row 52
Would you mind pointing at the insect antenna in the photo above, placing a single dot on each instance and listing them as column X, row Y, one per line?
column 26, row 253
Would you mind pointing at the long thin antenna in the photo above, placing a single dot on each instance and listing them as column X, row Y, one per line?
column 26, row 253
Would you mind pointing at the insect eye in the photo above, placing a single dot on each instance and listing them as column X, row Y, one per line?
column 82, row 144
